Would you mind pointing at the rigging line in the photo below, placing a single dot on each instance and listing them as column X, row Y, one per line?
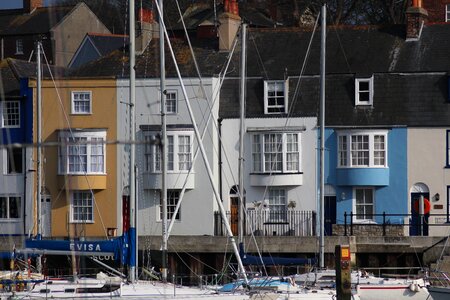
column 258, row 55
column 216, row 98
column 339, row 39
column 297, row 86
column 177, row 252
column 73, row 137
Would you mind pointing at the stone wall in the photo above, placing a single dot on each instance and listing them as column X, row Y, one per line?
column 369, row 230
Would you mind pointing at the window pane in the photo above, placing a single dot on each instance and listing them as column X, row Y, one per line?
column 273, row 154
column 275, row 97
column 184, row 152
column 256, row 153
column 292, row 154
column 170, row 153
column 360, row 150
column 97, row 158
column 3, row 207
column 11, row 113
column 82, row 207
column 14, row 207
column 14, row 160
column 81, row 102
column 171, row 102
column 277, row 204
column 343, row 150
column 172, row 201
column 363, row 86
column 364, row 204
column 379, row 150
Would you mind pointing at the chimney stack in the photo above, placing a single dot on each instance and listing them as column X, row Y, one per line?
column 30, row 5
column 229, row 24
column 416, row 16
column 147, row 29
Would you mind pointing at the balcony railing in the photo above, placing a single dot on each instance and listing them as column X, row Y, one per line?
column 270, row 223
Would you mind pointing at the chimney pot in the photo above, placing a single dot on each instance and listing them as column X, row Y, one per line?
column 30, row 5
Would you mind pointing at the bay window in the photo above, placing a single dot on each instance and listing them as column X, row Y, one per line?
column 179, row 152
column 82, row 152
column 362, row 149
column 276, row 152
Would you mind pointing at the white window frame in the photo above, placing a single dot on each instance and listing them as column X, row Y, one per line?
column 9, row 113
column 19, row 46
column 7, row 161
column 347, row 155
column 74, row 109
column 93, row 141
column 364, row 218
column 8, row 209
column 169, row 95
column 173, row 197
column 358, row 91
column 448, row 149
column 176, row 160
column 279, row 109
column 277, row 204
column 90, row 197
column 260, row 147
column 447, row 13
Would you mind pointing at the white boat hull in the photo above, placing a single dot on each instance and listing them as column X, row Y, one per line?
column 414, row 290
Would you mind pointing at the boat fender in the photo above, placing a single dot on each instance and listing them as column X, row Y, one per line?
column 292, row 281
column 414, row 287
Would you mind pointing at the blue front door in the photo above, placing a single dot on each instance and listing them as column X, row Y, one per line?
column 419, row 223
column 330, row 214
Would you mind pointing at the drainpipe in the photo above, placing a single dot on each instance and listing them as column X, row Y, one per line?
column 220, row 158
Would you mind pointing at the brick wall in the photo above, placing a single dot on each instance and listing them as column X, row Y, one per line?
column 436, row 9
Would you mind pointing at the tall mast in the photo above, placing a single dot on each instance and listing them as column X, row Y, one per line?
column 163, row 146
column 132, row 230
column 204, row 155
column 322, row 134
column 39, row 150
column 241, row 134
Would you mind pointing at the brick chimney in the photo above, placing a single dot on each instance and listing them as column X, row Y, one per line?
column 147, row 29
column 229, row 24
column 416, row 16
column 30, row 5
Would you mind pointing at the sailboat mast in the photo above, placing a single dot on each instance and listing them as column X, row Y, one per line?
column 241, row 134
column 39, row 150
column 322, row 135
column 132, row 231
column 163, row 147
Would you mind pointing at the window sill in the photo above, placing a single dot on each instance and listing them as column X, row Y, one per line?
column 15, row 220
column 363, row 167
column 276, row 179
column 82, row 222
column 81, row 114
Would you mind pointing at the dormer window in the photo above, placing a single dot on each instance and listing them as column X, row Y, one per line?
column 364, row 91
column 275, row 97
column 447, row 13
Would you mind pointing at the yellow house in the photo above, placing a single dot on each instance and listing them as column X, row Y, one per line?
column 79, row 168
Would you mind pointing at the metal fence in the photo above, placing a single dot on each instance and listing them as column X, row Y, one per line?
column 271, row 223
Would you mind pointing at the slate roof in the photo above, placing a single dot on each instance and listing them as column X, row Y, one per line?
column 147, row 64
column 105, row 43
column 41, row 20
column 12, row 70
column 199, row 13
column 416, row 99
